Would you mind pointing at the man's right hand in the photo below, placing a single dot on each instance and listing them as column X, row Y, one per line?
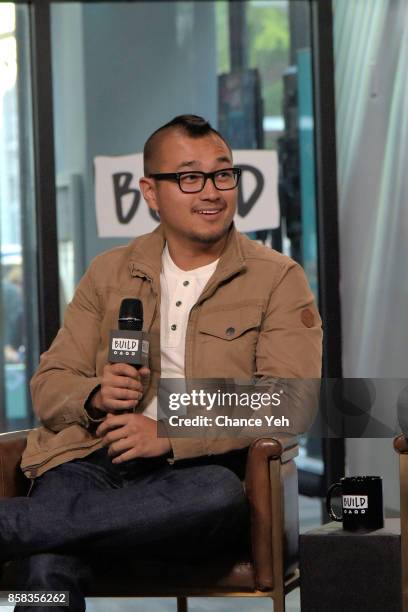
column 122, row 387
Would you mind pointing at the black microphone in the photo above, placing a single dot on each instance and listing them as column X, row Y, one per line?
column 131, row 315
column 129, row 344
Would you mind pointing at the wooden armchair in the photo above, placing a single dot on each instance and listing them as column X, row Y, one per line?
column 401, row 446
column 270, row 569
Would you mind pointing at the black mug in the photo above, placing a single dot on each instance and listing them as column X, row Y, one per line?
column 362, row 502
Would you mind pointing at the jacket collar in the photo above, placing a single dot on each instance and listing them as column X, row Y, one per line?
column 146, row 259
column 146, row 254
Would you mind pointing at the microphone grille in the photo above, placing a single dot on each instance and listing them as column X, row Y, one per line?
column 131, row 315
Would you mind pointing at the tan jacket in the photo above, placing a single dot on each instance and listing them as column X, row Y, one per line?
column 263, row 295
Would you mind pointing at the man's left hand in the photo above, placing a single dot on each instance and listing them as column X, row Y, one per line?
column 131, row 435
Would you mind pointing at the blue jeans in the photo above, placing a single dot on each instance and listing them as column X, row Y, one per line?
column 145, row 506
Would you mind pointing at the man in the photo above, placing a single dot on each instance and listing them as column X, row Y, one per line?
column 215, row 305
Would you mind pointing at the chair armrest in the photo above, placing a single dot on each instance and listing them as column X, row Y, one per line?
column 12, row 480
column 401, row 444
column 282, row 446
column 274, row 513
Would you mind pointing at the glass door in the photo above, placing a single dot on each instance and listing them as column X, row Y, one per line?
column 18, row 273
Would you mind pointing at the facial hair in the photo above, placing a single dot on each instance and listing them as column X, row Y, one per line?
column 210, row 239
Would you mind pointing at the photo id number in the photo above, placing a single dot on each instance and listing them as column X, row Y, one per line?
column 24, row 598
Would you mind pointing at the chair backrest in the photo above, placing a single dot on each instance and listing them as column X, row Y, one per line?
column 12, row 481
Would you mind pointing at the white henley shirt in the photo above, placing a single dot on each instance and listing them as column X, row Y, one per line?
column 180, row 290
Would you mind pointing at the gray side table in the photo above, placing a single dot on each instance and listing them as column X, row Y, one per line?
column 345, row 571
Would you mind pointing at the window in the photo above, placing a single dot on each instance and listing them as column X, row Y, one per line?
column 18, row 287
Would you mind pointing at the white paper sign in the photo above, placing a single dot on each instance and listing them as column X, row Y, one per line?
column 258, row 203
column 121, row 211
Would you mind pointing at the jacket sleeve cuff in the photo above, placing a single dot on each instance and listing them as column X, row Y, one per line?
column 95, row 415
column 77, row 412
column 187, row 448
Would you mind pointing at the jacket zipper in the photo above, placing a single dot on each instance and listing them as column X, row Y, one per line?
column 140, row 274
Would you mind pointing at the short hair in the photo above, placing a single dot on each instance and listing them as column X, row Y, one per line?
column 192, row 125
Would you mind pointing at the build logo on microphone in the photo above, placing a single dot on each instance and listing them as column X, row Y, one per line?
column 124, row 346
column 128, row 346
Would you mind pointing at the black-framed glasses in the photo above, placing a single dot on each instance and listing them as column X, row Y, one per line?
column 193, row 181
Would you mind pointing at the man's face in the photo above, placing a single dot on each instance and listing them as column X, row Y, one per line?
column 202, row 217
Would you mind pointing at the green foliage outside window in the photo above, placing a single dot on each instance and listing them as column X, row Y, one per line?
column 268, row 47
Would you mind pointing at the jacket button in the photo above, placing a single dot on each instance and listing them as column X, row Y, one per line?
column 174, row 327
column 178, row 303
column 230, row 331
column 186, row 283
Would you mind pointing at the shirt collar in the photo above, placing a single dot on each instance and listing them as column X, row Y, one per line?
column 170, row 267
column 146, row 258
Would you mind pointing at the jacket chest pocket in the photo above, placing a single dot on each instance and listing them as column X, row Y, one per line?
column 227, row 343
column 234, row 326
